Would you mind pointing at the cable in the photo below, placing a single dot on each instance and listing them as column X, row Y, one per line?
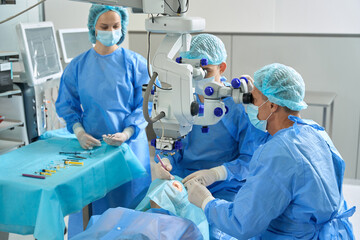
column 170, row 7
column 8, row 19
column 162, row 126
column 148, row 54
column 187, row 7
column 146, row 101
column 179, row 9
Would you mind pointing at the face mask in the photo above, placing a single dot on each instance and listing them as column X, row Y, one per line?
column 253, row 112
column 109, row 38
column 200, row 84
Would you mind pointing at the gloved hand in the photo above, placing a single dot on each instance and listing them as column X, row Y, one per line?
column 198, row 194
column 115, row 139
column 250, row 82
column 118, row 138
column 207, row 177
column 160, row 172
column 86, row 140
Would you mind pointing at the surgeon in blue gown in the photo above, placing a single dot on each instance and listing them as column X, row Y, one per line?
column 225, row 150
column 100, row 97
column 294, row 186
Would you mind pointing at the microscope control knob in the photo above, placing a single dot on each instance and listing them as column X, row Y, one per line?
column 201, row 109
column 209, row 91
column 235, row 83
column 204, row 129
column 218, row 112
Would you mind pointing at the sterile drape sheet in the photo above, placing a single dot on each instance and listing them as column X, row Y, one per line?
column 38, row 206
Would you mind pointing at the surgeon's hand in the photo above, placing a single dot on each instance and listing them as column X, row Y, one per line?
column 250, row 83
column 115, row 139
column 87, row 141
column 120, row 137
column 198, row 194
column 160, row 172
column 207, row 177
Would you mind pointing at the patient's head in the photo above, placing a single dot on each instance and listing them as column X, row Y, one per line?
column 175, row 185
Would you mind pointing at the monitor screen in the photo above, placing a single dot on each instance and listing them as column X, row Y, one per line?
column 39, row 52
column 74, row 42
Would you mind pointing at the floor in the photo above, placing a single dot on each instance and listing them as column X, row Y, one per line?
column 351, row 190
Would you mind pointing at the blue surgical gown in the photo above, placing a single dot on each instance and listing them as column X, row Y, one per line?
column 104, row 94
column 122, row 223
column 293, row 190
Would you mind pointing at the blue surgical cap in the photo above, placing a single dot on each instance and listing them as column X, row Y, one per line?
column 95, row 12
column 206, row 46
column 282, row 85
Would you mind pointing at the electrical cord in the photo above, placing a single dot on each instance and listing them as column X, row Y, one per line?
column 146, row 101
column 8, row 19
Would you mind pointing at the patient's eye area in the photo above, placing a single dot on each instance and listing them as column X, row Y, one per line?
column 177, row 185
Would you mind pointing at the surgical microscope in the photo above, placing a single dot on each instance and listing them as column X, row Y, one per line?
column 175, row 109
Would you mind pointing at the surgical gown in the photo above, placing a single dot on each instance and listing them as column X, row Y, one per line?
column 232, row 142
column 104, row 94
column 122, row 223
column 293, row 190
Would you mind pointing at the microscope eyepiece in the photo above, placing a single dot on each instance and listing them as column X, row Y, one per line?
column 247, row 98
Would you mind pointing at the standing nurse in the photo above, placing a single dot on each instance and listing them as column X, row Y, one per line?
column 100, row 94
column 294, row 186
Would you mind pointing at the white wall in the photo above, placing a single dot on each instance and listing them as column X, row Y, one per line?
column 270, row 16
column 69, row 14
column 281, row 16
column 8, row 36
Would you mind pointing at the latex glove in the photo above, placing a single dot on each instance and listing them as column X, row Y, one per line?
column 115, row 139
column 208, row 177
column 118, row 138
column 160, row 172
column 250, row 82
column 86, row 140
column 198, row 194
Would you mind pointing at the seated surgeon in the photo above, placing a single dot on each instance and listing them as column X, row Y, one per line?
column 294, row 186
column 224, row 152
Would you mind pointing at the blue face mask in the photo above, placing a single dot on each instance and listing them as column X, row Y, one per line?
column 200, row 84
column 253, row 112
column 109, row 38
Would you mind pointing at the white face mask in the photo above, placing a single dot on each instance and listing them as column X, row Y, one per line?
column 200, row 84
column 253, row 112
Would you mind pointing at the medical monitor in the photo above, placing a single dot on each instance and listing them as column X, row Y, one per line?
column 74, row 41
column 39, row 52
